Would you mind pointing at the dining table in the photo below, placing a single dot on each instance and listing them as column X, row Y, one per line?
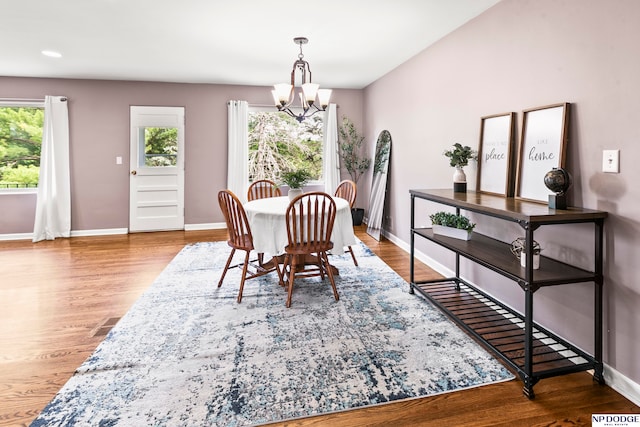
column 267, row 219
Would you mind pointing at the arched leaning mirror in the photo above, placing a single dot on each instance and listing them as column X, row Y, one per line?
column 379, row 184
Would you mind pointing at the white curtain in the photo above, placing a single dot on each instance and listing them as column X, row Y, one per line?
column 238, row 148
column 331, row 164
column 53, row 206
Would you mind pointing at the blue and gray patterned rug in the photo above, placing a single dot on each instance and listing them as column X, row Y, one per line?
column 187, row 354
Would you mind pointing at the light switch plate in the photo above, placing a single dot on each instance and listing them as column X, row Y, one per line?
column 611, row 161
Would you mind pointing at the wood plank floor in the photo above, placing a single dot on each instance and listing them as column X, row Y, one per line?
column 58, row 300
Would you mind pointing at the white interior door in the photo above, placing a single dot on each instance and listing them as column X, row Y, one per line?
column 156, row 181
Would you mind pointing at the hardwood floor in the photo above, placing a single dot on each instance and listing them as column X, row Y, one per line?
column 59, row 299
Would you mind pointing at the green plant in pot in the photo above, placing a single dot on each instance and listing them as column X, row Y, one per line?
column 354, row 158
column 295, row 179
column 452, row 225
column 459, row 157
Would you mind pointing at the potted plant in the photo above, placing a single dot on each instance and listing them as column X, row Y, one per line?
column 459, row 157
column 295, row 179
column 354, row 159
column 452, row 225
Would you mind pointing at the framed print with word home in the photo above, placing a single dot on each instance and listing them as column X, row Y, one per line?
column 542, row 148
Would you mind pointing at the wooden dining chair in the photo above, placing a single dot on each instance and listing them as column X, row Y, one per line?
column 348, row 190
column 310, row 219
column 263, row 188
column 240, row 238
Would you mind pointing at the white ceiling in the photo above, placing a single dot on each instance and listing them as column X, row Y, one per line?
column 351, row 42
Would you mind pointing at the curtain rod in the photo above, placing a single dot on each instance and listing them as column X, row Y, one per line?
column 20, row 100
column 254, row 105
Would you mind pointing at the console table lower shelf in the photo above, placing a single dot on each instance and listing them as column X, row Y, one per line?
column 502, row 330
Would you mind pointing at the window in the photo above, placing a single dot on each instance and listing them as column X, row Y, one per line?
column 21, row 125
column 277, row 142
column 160, row 146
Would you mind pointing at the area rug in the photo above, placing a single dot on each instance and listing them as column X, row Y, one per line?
column 187, row 354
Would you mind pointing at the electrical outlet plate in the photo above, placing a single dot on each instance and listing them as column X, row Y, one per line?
column 611, row 161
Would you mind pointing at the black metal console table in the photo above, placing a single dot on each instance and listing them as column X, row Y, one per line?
column 531, row 350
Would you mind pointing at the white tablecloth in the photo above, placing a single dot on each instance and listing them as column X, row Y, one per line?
column 268, row 226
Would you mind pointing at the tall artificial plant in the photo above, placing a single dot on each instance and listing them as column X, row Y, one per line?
column 354, row 159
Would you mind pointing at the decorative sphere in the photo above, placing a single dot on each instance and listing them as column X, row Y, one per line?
column 557, row 180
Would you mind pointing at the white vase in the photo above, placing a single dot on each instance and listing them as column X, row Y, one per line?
column 459, row 175
column 459, row 180
column 536, row 260
column 294, row 192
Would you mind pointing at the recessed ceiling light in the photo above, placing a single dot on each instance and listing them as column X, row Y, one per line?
column 52, row 53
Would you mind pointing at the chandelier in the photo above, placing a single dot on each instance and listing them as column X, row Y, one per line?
column 284, row 94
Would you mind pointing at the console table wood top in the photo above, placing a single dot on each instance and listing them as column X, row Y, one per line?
column 509, row 208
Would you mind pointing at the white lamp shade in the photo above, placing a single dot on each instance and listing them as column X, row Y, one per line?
column 310, row 90
column 323, row 97
column 283, row 92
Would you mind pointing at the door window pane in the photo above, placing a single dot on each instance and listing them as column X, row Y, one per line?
column 158, row 147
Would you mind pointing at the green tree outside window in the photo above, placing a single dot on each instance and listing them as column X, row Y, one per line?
column 278, row 143
column 20, row 144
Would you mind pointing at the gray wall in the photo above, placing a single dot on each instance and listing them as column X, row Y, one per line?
column 518, row 55
column 99, row 132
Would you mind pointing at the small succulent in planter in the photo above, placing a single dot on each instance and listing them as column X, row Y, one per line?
column 448, row 219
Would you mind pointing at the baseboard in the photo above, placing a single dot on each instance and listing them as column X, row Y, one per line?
column 420, row 256
column 622, row 384
column 207, row 226
column 77, row 233
column 99, row 232
column 111, row 231
column 614, row 379
column 17, row 236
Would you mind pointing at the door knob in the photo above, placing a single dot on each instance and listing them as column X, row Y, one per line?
column 134, row 173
